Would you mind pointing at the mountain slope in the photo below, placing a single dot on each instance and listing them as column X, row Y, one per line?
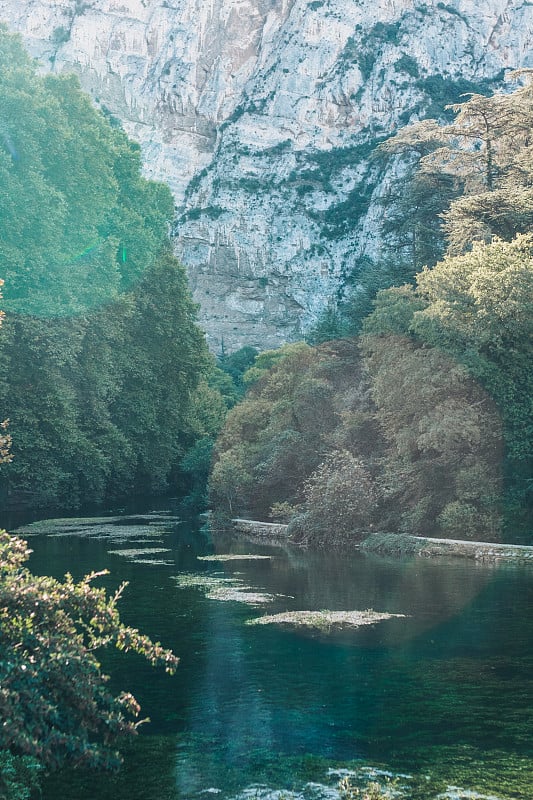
column 261, row 115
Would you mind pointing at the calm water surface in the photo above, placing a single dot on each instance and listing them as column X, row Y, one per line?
column 444, row 694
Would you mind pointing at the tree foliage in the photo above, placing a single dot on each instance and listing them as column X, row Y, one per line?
column 54, row 702
column 448, row 356
column 341, row 502
column 444, row 443
column 306, row 406
column 451, row 184
column 341, row 442
column 477, row 309
column 444, row 439
column 19, row 776
column 100, row 348
column 485, row 156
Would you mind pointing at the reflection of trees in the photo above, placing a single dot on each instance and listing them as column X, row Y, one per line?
column 228, row 719
column 268, row 692
column 461, row 694
column 429, row 591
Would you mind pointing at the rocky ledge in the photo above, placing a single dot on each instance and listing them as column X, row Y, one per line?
column 261, row 116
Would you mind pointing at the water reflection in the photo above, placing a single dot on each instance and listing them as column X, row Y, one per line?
column 227, row 712
column 448, row 689
column 428, row 591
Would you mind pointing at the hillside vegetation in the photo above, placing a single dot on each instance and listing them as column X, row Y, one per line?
column 423, row 423
column 100, row 353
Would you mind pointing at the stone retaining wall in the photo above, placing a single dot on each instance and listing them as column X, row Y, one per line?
column 489, row 552
column 403, row 544
column 260, row 530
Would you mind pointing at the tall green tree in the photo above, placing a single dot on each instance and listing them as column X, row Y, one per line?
column 101, row 347
column 477, row 308
column 304, row 403
column 485, row 157
column 442, row 470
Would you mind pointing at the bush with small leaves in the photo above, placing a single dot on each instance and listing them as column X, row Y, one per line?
column 54, row 703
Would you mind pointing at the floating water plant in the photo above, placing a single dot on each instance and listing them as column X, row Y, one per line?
column 234, row 557
column 138, row 524
column 217, row 588
column 324, row 620
column 134, row 553
column 366, row 783
column 69, row 524
column 241, row 594
column 144, row 528
column 117, row 533
column 457, row 793
column 207, row 582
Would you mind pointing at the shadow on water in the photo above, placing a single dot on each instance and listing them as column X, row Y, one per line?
column 445, row 691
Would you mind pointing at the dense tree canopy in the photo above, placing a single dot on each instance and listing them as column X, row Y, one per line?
column 478, row 309
column 100, row 352
column 78, row 222
column 432, row 432
column 332, row 440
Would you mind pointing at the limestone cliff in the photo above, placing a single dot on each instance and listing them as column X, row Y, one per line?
column 260, row 114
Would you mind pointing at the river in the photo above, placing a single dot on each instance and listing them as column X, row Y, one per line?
column 443, row 694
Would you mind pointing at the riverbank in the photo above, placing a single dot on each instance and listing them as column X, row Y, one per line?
column 255, row 529
column 429, row 547
column 399, row 544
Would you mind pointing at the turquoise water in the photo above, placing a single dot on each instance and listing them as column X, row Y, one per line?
column 444, row 694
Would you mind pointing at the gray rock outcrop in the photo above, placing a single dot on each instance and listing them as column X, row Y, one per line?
column 260, row 115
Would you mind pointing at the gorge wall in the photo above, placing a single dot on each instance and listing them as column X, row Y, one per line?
column 261, row 114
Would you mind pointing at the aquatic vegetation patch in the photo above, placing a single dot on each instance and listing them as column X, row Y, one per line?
column 70, row 524
column 369, row 783
column 137, row 524
column 117, row 533
column 112, row 528
column 324, row 620
column 235, row 557
column 207, row 582
column 118, row 541
column 310, row 791
column 240, row 594
column 385, row 788
column 361, row 785
column 366, row 783
column 142, row 551
column 224, row 589
column 155, row 516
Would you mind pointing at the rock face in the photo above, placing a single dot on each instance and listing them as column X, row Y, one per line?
column 260, row 115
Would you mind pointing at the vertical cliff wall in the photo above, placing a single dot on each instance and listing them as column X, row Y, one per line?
column 261, row 114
